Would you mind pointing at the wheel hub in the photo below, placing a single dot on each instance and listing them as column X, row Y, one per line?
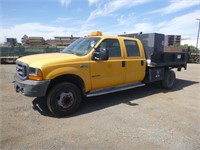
column 65, row 100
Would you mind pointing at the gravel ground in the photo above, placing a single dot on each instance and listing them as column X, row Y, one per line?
column 142, row 118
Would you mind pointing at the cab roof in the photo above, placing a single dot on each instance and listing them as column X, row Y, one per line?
column 99, row 34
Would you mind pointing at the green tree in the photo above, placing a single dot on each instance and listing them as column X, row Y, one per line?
column 193, row 49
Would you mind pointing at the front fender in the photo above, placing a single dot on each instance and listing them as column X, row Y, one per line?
column 83, row 73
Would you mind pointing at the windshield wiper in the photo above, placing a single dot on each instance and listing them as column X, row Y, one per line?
column 69, row 52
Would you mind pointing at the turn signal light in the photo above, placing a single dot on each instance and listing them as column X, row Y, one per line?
column 39, row 76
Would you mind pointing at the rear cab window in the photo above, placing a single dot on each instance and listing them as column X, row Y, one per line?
column 132, row 48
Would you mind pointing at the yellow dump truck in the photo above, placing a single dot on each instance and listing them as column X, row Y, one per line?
column 91, row 66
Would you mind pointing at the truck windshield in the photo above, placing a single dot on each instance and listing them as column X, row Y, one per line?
column 81, row 46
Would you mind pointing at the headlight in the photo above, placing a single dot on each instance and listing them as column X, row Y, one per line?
column 33, row 71
column 35, row 74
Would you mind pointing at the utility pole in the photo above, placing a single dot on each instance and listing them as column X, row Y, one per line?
column 198, row 33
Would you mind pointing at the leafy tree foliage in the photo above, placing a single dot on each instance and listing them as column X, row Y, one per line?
column 192, row 48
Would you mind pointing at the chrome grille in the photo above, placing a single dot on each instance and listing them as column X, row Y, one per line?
column 21, row 70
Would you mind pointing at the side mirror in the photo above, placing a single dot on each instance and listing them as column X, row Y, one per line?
column 100, row 54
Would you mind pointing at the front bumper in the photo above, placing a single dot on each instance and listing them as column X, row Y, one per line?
column 30, row 87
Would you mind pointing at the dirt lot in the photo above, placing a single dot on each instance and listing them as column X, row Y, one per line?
column 141, row 118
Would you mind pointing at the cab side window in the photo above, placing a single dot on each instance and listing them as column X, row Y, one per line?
column 132, row 48
column 113, row 46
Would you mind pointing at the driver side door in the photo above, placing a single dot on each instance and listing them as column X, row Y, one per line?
column 111, row 72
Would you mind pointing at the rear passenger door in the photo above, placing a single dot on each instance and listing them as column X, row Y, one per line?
column 110, row 72
column 135, row 61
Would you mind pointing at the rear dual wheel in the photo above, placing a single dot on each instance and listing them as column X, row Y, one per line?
column 169, row 79
column 64, row 99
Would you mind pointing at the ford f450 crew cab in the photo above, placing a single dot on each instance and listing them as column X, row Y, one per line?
column 91, row 66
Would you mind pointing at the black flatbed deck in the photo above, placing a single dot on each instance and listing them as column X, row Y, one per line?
column 166, row 59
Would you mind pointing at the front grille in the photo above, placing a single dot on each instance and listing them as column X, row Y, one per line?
column 21, row 70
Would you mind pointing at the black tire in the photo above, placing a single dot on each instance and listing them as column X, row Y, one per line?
column 169, row 79
column 64, row 99
column 198, row 60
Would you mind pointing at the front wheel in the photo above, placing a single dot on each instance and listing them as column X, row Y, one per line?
column 169, row 79
column 64, row 99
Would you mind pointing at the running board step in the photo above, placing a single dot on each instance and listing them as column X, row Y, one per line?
column 114, row 89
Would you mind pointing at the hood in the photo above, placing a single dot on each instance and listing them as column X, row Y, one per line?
column 42, row 60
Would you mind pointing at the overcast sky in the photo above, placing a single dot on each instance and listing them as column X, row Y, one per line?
column 49, row 18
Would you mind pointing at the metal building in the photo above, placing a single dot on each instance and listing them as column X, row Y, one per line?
column 171, row 40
